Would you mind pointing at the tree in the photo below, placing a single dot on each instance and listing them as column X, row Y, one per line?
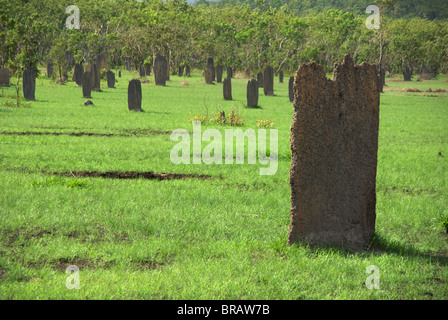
column 332, row 34
column 57, row 52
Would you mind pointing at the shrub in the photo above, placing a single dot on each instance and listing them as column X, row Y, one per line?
column 235, row 119
column 265, row 123
column 103, row 73
column 148, row 61
column 199, row 117
column 219, row 118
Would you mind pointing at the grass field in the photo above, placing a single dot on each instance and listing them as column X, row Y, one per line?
column 218, row 238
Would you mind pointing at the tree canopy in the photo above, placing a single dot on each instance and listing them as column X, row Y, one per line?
column 242, row 34
column 427, row 9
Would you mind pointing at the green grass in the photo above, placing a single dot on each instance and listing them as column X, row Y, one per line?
column 219, row 238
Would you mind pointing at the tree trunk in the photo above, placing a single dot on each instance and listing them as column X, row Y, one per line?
column 382, row 76
column 407, row 74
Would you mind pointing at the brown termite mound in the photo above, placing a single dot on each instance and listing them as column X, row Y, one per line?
column 334, row 144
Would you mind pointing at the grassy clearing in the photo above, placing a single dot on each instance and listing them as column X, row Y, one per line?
column 219, row 238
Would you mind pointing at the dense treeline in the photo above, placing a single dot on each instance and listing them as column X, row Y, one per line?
column 428, row 9
column 239, row 35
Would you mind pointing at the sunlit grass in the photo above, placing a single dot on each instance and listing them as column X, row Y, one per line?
column 219, row 238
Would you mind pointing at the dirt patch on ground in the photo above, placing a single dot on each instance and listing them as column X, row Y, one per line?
column 439, row 90
column 240, row 75
column 412, row 90
column 131, row 175
column 127, row 133
column 76, row 134
column 139, row 132
column 10, row 236
column 62, row 264
column 436, row 90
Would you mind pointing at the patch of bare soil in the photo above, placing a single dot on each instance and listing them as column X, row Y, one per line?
column 128, row 133
column 76, row 134
column 10, row 236
column 239, row 75
column 137, row 132
column 412, row 90
column 131, row 175
column 63, row 263
column 437, row 90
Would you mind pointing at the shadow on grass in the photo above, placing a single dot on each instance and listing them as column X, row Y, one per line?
column 379, row 246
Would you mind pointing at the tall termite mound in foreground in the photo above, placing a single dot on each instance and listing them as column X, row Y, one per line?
column 334, row 144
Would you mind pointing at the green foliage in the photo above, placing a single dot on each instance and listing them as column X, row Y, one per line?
column 431, row 9
column 57, row 53
column 219, row 118
column 103, row 73
column 241, row 34
column 233, row 118
column 199, row 117
column 148, row 61
column 265, row 123
column 21, row 33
